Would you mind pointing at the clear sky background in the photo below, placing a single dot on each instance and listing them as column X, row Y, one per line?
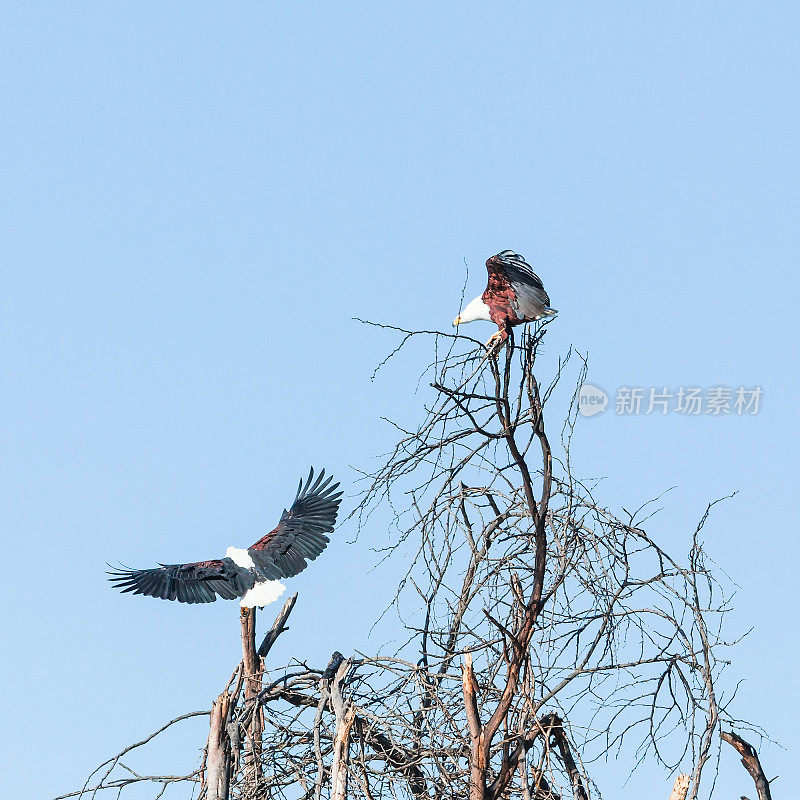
column 198, row 197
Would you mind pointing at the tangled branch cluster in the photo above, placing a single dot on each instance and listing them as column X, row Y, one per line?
column 544, row 630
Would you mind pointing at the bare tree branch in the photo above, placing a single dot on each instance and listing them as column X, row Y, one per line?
column 750, row 762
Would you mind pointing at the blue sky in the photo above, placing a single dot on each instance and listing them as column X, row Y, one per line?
column 197, row 200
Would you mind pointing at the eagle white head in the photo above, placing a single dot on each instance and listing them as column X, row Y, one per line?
column 474, row 310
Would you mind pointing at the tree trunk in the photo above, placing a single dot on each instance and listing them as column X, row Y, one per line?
column 344, row 716
column 253, row 668
column 218, row 752
column 341, row 749
column 477, row 759
column 681, row 787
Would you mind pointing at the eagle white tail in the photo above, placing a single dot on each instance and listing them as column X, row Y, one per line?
column 262, row 594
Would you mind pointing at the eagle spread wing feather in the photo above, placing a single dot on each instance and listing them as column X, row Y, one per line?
column 282, row 553
column 300, row 534
column 199, row 582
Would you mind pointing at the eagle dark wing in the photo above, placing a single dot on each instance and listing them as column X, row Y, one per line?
column 300, row 534
column 200, row 582
column 513, row 283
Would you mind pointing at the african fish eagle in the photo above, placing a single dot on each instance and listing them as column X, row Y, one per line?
column 248, row 573
column 514, row 295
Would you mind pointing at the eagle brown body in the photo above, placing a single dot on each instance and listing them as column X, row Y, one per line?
column 514, row 295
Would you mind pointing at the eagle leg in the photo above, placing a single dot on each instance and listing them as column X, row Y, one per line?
column 498, row 337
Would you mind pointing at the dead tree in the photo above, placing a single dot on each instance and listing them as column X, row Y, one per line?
column 544, row 630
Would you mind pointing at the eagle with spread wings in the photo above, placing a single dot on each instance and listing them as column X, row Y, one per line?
column 249, row 573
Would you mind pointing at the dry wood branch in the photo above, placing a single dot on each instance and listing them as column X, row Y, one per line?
column 106, row 779
column 477, row 783
column 252, row 671
column 681, row 787
column 278, row 627
column 750, row 762
column 341, row 749
column 218, row 750
column 344, row 715
column 555, row 727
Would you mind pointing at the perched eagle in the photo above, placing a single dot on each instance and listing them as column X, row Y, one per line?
column 514, row 294
column 248, row 573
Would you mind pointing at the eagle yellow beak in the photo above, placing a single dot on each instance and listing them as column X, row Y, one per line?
column 457, row 321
